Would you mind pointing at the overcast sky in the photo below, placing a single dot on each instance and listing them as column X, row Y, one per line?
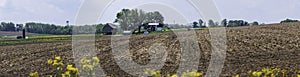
column 59, row 11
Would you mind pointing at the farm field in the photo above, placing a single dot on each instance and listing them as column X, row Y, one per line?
column 6, row 33
column 249, row 48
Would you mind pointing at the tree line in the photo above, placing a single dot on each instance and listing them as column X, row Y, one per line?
column 43, row 28
column 226, row 23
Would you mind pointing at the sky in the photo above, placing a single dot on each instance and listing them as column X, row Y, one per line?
column 60, row 11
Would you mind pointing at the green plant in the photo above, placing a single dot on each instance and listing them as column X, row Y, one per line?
column 59, row 65
column 88, row 65
column 188, row 73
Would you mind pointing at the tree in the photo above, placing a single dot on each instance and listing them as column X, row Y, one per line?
column 255, row 23
column 201, row 22
column 234, row 23
column 211, row 23
column 19, row 27
column 1, row 27
column 130, row 19
column 195, row 24
column 288, row 20
column 216, row 23
column 224, row 22
column 8, row 26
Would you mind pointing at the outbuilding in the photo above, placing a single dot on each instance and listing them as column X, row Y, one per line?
column 109, row 29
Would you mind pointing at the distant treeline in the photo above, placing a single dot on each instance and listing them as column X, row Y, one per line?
column 46, row 28
column 42, row 28
column 232, row 23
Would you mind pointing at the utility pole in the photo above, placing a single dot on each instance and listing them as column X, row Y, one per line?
column 69, row 28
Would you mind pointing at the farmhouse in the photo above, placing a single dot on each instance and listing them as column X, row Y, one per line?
column 154, row 27
column 109, row 29
column 149, row 27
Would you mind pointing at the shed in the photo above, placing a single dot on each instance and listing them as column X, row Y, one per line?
column 109, row 29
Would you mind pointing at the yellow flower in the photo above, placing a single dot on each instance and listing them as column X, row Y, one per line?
column 50, row 61
column 174, row 75
column 257, row 74
column 67, row 73
column 146, row 73
column 298, row 75
column 82, row 61
column 35, row 74
column 96, row 59
column 69, row 66
column 57, row 58
column 273, row 75
column 88, row 67
column 63, row 75
column 61, row 64
column 198, row 74
column 74, row 71
column 55, row 64
column 237, row 75
column 55, row 61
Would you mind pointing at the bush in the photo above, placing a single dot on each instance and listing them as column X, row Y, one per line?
column 288, row 20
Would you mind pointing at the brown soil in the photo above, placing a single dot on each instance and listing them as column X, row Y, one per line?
column 249, row 48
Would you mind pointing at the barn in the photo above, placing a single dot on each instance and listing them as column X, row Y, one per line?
column 109, row 29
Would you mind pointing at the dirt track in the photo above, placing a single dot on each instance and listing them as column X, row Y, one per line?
column 249, row 48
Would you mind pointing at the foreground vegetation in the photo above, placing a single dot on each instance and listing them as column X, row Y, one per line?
column 88, row 67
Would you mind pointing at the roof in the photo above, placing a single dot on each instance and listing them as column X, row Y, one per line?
column 111, row 25
column 153, row 23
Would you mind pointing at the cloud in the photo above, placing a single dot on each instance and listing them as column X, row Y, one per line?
column 2, row 3
column 49, row 11
column 268, row 11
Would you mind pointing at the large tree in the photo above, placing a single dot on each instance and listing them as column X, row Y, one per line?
column 255, row 23
column 130, row 19
column 201, row 22
column 288, row 20
column 211, row 23
column 195, row 24
column 224, row 22
column 8, row 26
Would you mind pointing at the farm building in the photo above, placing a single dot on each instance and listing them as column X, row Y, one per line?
column 109, row 29
column 149, row 27
column 154, row 27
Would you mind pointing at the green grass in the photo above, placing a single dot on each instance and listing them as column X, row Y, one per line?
column 11, row 40
column 7, row 37
column 15, row 42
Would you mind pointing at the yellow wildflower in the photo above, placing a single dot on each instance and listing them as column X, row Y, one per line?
column 82, row 61
column 236, row 75
column 61, row 64
column 89, row 67
column 174, row 75
column 57, row 58
column 67, row 73
column 63, row 75
column 257, row 74
column 50, row 61
column 55, row 64
column 35, row 74
column 55, row 61
column 198, row 74
column 69, row 66
column 96, row 59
